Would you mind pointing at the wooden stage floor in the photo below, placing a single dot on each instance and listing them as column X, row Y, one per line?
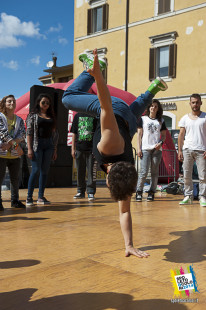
column 70, row 255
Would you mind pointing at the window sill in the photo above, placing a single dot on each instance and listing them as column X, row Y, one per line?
column 166, row 78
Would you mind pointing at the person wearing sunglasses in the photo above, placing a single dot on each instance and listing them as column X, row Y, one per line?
column 42, row 140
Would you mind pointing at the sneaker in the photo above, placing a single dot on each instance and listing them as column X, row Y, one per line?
column 91, row 197
column 1, row 206
column 157, row 85
column 186, row 201
column 79, row 196
column 150, row 197
column 88, row 60
column 138, row 197
column 43, row 201
column 29, row 202
column 203, row 201
column 17, row 204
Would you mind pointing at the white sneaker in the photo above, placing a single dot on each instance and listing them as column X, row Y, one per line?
column 91, row 197
column 186, row 201
column 88, row 60
column 203, row 201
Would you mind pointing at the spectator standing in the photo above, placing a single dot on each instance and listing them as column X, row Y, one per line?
column 12, row 133
column 192, row 148
column 42, row 139
column 83, row 128
column 151, row 135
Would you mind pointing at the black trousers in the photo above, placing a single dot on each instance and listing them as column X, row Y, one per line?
column 14, row 168
column 85, row 160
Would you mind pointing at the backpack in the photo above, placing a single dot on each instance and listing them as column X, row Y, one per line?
column 172, row 188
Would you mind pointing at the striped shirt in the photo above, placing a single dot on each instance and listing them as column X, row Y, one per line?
column 4, row 134
column 32, row 130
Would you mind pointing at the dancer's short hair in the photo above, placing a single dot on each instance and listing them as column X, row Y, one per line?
column 122, row 180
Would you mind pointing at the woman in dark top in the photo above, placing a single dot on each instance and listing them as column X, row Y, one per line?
column 42, row 139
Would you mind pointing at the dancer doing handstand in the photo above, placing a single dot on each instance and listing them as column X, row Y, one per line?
column 117, row 124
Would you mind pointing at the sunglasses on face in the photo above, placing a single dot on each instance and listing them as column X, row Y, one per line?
column 45, row 102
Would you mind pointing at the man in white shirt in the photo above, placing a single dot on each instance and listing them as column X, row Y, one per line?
column 192, row 148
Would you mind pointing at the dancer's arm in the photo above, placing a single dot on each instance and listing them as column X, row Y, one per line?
column 126, row 227
column 111, row 143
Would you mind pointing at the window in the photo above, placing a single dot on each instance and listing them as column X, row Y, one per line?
column 170, row 120
column 163, row 56
column 163, row 61
column 163, row 6
column 97, row 19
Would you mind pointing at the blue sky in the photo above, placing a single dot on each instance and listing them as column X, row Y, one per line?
column 30, row 31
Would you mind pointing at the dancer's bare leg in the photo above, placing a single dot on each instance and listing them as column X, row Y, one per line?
column 112, row 143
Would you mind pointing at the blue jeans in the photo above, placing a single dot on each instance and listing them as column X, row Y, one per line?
column 190, row 157
column 40, row 164
column 77, row 98
column 153, row 157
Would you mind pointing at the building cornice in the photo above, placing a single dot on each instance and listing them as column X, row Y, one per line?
column 179, row 98
column 144, row 21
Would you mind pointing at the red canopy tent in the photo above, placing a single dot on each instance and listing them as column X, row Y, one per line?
column 22, row 110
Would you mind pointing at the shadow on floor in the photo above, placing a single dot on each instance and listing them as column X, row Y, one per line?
column 189, row 248
column 37, row 209
column 19, row 263
column 21, row 299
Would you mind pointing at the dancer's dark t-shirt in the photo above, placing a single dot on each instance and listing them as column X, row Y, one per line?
column 128, row 153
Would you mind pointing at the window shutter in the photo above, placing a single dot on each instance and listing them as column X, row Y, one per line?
column 172, row 60
column 167, row 6
column 152, row 64
column 105, row 15
column 160, row 7
column 89, row 21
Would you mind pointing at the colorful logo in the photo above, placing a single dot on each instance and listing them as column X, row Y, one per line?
column 184, row 281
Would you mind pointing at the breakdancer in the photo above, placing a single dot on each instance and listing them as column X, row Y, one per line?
column 117, row 124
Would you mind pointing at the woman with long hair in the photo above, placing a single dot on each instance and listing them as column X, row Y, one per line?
column 10, row 150
column 42, row 139
column 151, row 134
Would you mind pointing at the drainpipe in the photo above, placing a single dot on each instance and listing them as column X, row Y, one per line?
column 126, row 44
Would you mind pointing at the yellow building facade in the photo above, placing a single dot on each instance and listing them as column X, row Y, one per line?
column 145, row 39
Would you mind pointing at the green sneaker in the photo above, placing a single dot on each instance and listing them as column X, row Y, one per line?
column 157, row 85
column 202, row 202
column 186, row 201
column 88, row 60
